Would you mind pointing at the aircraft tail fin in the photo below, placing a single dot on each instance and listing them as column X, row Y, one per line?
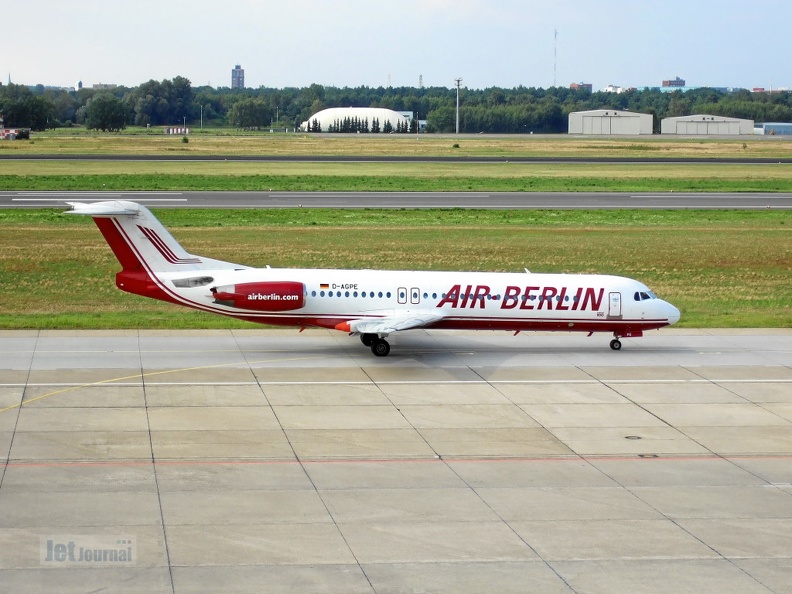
column 140, row 242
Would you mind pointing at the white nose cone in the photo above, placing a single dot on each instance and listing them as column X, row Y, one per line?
column 673, row 314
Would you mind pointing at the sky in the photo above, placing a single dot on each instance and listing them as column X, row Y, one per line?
column 352, row 43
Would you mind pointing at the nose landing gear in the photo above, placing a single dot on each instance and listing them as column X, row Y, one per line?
column 616, row 344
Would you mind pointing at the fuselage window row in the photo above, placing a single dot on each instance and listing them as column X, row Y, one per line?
column 387, row 295
column 363, row 294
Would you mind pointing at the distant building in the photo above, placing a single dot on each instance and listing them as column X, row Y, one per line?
column 773, row 129
column 12, row 133
column 327, row 119
column 238, row 77
column 581, row 86
column 675, row 82
column 706, row 125
column 104, row 87
column 610, row 122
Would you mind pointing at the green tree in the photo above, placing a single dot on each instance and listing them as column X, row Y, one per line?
column 442, row 119
column 65, row 105
column 22, row 109
column 166, row 102
column 106, row 113
column 249, row 113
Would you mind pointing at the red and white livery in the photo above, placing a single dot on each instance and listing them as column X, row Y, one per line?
column 370, row 303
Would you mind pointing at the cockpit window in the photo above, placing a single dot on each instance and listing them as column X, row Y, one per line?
column 195, row 281
column 644, row 295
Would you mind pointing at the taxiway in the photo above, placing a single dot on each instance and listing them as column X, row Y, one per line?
column 272, row 461
column 474, row 200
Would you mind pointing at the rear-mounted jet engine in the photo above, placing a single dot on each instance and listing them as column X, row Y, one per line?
column 266, row 296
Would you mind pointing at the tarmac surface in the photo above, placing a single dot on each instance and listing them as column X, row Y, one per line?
column 277, row 461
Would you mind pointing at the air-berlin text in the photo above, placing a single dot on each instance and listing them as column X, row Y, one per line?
column 514, row 297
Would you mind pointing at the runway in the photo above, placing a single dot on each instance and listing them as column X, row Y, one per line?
column 278, row 461
column 476, row 200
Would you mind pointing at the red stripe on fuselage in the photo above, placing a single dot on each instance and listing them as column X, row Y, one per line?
column 333, row 321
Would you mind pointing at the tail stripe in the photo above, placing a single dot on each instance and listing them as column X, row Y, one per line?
column 163, row 248
column 127, row 256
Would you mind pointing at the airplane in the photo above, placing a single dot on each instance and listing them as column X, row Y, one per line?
column 371, row 304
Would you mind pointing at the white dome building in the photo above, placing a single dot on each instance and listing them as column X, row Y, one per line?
column 332, row 119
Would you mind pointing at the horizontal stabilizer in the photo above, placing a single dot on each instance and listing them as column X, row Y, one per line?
column 140, row 242
column 108, row 208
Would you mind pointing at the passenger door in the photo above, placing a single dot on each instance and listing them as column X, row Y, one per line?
column 614, row 306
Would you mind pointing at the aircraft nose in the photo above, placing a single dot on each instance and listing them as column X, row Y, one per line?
column 673, row 313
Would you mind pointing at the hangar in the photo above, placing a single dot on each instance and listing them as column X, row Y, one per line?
column 773, row 129
column 706, row 125
column 332, row 117
column 610, row 121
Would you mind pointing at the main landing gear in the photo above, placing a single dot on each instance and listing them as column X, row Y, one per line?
column 615, row 344
column 379, row 346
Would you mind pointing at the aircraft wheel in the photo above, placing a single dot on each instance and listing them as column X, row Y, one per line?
column 368, row 339
column 380, row 347
column 615, row 344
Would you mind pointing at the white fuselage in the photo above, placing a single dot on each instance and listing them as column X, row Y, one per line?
column 472, row 300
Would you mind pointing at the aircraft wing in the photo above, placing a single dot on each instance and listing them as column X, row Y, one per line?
column 393, row 323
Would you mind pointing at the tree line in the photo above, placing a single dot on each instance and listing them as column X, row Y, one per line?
column 491, row 110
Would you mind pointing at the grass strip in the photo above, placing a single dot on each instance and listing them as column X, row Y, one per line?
column 722, row 268
column 64, row 175
column 265, row 183
column 141, row 141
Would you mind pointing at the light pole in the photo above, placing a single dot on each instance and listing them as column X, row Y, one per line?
column 458, row 82
column 201, row 118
